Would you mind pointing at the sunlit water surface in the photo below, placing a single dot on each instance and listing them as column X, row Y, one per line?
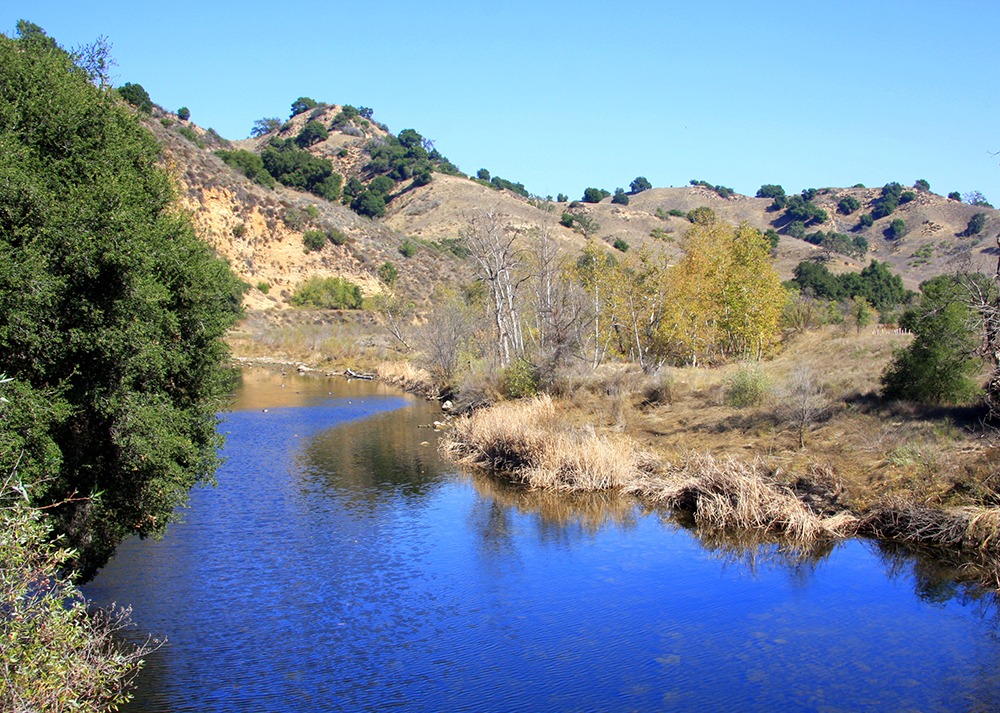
column 341, row 565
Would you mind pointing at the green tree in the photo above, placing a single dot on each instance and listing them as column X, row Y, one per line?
column 138, row 97
column 847, row 205
column 896, row 229
column 620, row 197
column 639, row 185
column 369, row 203
column 249, row 164
column 327, row 293
column 387, row 273
column 302, row 105
column 183, row 113
column 264, row 126
column 312, row 133
column 314, row 240
column 594, row 195
column 922, row 185
column 975, row 226
column 483, row 175
column 111, row 309
column 939, row 365
column 955, row 196
column 770, row 190
column 702, row 215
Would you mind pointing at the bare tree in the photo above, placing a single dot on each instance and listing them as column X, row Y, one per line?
column 493, row 244
column 804, row 401
column 445, row 336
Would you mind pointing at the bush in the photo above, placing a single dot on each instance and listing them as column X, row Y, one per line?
column 191, row 135
column 770, row 190
column 619, row 198
column 896, row 229
column 519, row 380
column 312, row 133
column 314, row 240
column 955, row 196
column 249, row 164
column 138, row 97
column 370, row 204
column 381, row 185
column 976, row 224
column 297, row 168
column 264, row 287
column 594, row 195
column 796, row 229
column 327, row 293
column 940, row 364
column 747, row 387
column 639, row 185
column 620, row 244
column 337, row 237
column 264, row 126
column 567, row 220
column 294, row 218
column 408, row 248
column 922, row 185
column 387, row 273
column 847, row 205
column 702, row 215
column 301, row 105
column 866, row 220
column 239, row 230
column 183, row 113
column 562, row 198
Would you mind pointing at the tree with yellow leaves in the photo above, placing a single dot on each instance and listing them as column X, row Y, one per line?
column 724, row 297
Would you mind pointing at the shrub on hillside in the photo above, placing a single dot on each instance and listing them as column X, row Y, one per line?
column 594, row 195
column 619, row 198
column 847, row 205
column 770, row 190
column 327, row 293
column 702, row 215
column 639, row 185
column 264, row 126
column 249, row 164
column 183, row 113
column 302, row 105
column 312, row 133
column 748, row 386
column 314, row 240
column 975, row 226
column 138, row 97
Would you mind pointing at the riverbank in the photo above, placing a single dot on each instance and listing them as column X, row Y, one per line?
column 796, row 447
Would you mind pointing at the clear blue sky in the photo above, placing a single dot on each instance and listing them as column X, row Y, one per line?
column 564, row 95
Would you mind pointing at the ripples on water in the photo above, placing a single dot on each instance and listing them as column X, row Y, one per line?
column 341, row 566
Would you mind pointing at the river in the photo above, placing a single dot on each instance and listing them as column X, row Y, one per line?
column 341, row 565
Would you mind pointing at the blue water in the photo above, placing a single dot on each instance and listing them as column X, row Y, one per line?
column 340, row 565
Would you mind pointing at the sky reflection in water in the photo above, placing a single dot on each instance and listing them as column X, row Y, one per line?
column 340, row 565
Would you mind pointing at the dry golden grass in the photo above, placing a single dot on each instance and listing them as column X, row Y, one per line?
column 526, row 440
column 406, row 376
column 728, row 494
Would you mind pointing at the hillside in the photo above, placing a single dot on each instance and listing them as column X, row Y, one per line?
column 261, row 229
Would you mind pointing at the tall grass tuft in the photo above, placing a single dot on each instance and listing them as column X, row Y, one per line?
column 748, row 386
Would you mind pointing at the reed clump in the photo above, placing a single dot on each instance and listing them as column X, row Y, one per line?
column 733, row 495
column 524, row 440
column 407, row 377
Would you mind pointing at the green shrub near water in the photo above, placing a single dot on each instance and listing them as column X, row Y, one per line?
column 327, row 293
column 519, row 380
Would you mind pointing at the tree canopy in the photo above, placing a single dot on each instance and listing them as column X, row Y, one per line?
column 112, row 311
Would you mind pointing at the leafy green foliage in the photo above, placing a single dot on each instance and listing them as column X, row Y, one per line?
column 138, row 97
column 191, row 135
column 387, row 273
column 800, row 208
column 483, row 175
column 939, row 365
column 314, row 240
column 620, row 244
column 955, row 196
column 848, row 205
column 922, row 185
column 748, row 386
column 875, row 283
column 520, row 379
column 408, row 248
column 721, row 191
column 297, row 168
column 594, row 195
column 975, row 226
column 381, row 185
column 639, row 185
column 327, row 293
column 502, row 184
column 265, row 126
column 369, row 203
column 562, row 198
column 702, row 215
column 770, row 190
column 111, row 309
column 866, row 220
column 249, row 164
column 620, row 197
column 312, row 133
column 183, row 113
column 896, row 229
column 839, row 243
column 302, row 105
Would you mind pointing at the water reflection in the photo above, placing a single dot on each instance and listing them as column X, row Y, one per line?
column 341, row 565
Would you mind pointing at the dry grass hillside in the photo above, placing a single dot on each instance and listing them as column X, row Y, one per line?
column 260, row 230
